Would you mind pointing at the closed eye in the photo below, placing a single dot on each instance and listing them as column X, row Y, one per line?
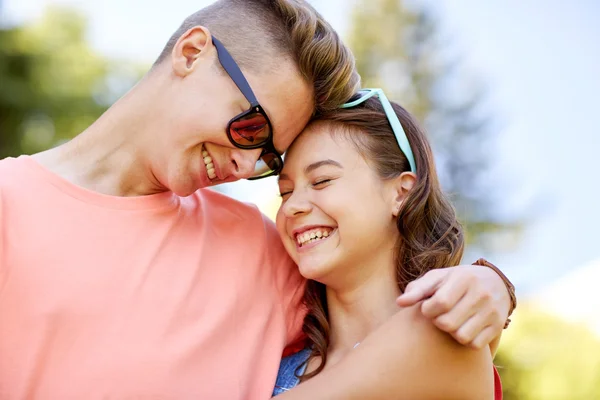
column 322, row 182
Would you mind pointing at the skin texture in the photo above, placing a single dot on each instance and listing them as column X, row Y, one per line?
column 326, row 183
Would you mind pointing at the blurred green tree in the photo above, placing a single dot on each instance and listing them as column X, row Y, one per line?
column 53, row 83
column 544, row 358
column 399, row 48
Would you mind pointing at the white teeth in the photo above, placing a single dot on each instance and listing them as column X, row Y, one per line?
column 312, row 236
column 210, row 166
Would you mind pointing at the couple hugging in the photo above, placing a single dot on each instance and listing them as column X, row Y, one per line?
column 123, row 276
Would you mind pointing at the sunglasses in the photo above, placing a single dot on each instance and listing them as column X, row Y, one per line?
column 252, row 128
column 401, row 138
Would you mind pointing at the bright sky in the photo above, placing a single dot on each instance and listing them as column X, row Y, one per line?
column 540, row 60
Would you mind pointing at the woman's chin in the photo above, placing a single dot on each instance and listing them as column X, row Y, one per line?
column 312, row 271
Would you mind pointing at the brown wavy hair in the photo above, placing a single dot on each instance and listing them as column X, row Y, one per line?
column 260, row 33
column 430, row 235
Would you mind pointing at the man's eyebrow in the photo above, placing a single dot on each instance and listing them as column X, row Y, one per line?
column 313, row 166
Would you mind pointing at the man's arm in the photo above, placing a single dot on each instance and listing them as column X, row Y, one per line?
column 471, row 302
column 406, row 358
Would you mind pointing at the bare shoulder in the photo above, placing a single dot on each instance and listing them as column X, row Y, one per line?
column 407, row 357
column 451, row 370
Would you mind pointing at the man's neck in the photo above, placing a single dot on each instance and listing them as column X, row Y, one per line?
column 108, row 156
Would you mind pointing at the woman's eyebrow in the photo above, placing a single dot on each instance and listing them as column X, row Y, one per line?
column 313, row 166
column 318, row 164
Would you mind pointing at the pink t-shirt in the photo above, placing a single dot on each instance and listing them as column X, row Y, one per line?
column 155, row 297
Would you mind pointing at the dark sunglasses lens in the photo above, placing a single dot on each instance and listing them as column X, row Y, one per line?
column 267, row 164
column 250, row 130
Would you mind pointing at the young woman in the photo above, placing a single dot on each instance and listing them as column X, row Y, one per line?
column 363, row 214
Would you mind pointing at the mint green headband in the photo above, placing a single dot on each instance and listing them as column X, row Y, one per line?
column 392, row 119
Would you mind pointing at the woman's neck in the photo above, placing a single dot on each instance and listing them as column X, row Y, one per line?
column 357, row 310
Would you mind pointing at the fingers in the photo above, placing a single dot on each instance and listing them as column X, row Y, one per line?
column 472, row 328
column 446, row 298
column 421, row 288
column 486, row 336
column 472, row 322
column 460, row 301
column 452, row 320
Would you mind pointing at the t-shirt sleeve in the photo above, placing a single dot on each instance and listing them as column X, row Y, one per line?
column 289, row 283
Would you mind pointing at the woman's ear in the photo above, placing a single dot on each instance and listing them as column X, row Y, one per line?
column 402, row 185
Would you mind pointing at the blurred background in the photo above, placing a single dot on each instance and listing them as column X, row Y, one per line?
column 508, row 91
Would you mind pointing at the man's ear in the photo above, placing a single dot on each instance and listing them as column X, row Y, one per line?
column 402, row 185
column 189, row 48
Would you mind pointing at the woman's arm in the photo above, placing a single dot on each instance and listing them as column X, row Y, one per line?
column 406, row 358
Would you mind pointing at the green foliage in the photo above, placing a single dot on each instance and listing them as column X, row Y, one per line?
column 53, row 84
column 544, row 358
column 399, row 48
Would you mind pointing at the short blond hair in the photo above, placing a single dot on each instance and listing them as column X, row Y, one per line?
column 258, row 33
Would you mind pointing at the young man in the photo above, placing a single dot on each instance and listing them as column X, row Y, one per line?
column 120, row 279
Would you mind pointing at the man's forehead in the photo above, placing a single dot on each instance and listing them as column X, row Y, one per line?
column 288, row 100
column 288, row 127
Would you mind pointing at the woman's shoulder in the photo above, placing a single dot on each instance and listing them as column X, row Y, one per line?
column 290, row 368
column 437, row 361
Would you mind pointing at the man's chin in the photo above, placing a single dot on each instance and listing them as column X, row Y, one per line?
column 186, row 190
column 189, row 189
column 217, row 182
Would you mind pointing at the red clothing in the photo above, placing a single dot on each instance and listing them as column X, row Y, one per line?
column 497, row 385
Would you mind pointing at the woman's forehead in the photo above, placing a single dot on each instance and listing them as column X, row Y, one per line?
column 314, row 140
column 318, row 142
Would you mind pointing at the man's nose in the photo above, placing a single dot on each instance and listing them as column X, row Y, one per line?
column 244, row 162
